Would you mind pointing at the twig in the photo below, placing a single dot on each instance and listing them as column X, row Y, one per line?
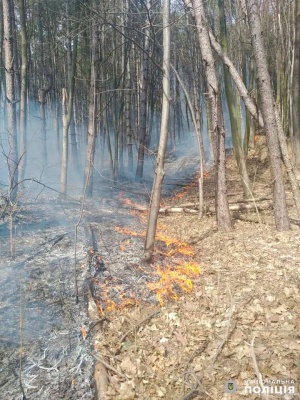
column 108, row 366
column 138, row 324
column 188, row 395
column 196, row 353
column 256, row 368
column 229, row 331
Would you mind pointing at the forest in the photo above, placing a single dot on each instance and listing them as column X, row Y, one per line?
column 149, row 199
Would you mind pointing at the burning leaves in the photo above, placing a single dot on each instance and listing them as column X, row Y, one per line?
column 174, row 270
column 171, row 278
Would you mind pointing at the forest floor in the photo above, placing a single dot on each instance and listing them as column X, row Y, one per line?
column 240, row 319
column 210, row 307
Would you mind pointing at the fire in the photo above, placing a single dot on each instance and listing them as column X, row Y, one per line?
column 124, row 244
column 172, row 278
column 107, row 304
column 173, row 267
column 129, row 232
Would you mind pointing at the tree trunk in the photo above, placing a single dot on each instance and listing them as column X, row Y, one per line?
column 143, row 100
column 296, row 88
column 234, row 111
column 268, row 111
column 216, row 117
column 90, row 149
column 12, row 156
column 67, row 103
column 24, row 88
column 159, row 171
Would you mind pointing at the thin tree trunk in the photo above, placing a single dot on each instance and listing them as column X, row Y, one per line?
column 143, row 101
column 12, row 156
column 90, row 150
column 216, row 116
column 67, row 101
column 159, row 171
column 234, row 112
column 296, row 88
column 267, row 103
column 24, row 88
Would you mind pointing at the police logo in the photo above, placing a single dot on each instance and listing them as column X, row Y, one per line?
column 230, row 387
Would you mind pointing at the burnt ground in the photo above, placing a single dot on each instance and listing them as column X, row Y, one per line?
column 247, row 292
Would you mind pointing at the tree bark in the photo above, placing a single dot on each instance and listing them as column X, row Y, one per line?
column 90, row 150
column 143, row 100
column 234, row 111
column 24, row 89
column 216, row 116
column 12, row 157
column 159, row 171
column 67, row 104
column 268, row 111
column 296, row 88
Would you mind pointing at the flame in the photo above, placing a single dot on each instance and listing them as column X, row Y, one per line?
column 129, row 232
column 124, row 299
column 170, row 278
column 124, row 244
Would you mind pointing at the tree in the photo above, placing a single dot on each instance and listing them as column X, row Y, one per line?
column 90, row 149
column 8, row 10
column 216, row 115
column 143, row 97
column 268, row 111
column 164, row 130
column 24, row 89
column 296, row 88
column 67, row 101
column 234, row 110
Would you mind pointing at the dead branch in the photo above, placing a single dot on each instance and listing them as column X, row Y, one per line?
column 240, row 205
column 295, row 221
column 101, row 380
column 166, row 210
column 256, row 368
column 108, row 366
column 196, row 353
column 138, row 324
column 229, row 331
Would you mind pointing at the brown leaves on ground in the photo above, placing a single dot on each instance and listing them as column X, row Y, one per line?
column 249, row 288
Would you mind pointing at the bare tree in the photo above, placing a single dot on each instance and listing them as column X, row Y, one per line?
column 68, row 100
column 164, row 130
column 143, row 98
column 216, row 115
column 268, row 111
column 296, row 88
column 8, row 11
column 90, row 150
column 24, row 89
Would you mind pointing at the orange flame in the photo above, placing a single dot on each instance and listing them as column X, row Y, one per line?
column 171, row 277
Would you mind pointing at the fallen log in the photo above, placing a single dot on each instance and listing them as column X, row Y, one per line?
column 211, row 208
column 166, row 210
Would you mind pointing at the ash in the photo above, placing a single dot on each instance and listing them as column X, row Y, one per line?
column 43, row 354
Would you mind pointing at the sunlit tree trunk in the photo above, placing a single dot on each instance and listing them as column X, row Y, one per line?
column 159, row 171
column 216, row 116
column 90, row 150
column 45, row 86
column 24, row 89
column 143, row 99
column 67, row 103
column 268, row 111
column 296, row 88
column 234, row 111
column 12, row 156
